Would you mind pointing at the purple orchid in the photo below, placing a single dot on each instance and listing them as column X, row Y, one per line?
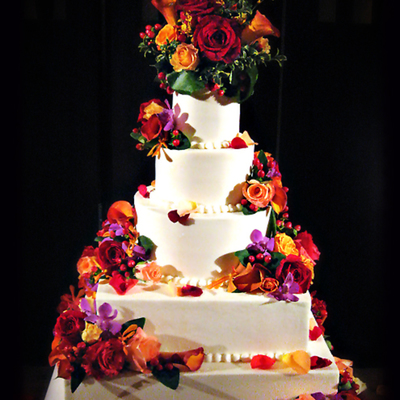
column 118, row 229
column 274, row 171
column 166, row 117
column 261, row 244
column 286, row 290
column 105, row 317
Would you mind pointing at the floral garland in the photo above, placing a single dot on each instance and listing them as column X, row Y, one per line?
column 89, row 342
column 158, row 129
column 216, row 45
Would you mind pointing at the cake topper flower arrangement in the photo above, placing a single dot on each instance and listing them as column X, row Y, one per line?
column 210, row 44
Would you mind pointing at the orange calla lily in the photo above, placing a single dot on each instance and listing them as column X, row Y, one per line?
column 279, row 200
column 167, row 9
column 260, row 26
column 121, row 212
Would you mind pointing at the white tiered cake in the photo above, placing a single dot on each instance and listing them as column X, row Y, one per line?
column 207, row 258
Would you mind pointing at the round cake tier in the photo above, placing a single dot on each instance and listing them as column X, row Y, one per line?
column 202, row 248
column 208, row 177
column 207, row 118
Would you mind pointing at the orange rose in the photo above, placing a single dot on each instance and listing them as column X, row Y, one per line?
column 88, row 261
column 260, row 26
column 166, row 34
column 257, row 193
column 269, row 285
column 151, row 272
column 185, row 58
column 284, row 244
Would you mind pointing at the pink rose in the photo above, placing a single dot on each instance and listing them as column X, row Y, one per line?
column 141, row 349
column 151, row 272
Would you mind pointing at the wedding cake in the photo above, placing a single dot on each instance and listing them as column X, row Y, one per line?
column 200, row 288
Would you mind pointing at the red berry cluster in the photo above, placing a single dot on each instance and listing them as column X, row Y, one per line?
column 164, row 84
column 150, row 32
column 215, row 87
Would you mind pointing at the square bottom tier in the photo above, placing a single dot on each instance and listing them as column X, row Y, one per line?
column 230, row 381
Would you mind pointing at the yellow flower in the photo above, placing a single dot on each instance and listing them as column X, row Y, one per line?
column 284, row 244
column 91, row 333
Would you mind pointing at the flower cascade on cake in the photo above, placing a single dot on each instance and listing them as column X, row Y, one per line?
column 210, row 44
column 89, row 342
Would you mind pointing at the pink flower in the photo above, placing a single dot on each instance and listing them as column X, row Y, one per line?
column 151, row 272
column 140, row 349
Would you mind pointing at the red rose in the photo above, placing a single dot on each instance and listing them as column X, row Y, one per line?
column 198, row 7
column 69, row 325
column 104, row 358
column 218, row 38
column 305, row 240
column 110, row 254
column 152, row 128
column 301, row 274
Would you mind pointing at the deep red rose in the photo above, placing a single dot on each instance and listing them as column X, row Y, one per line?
column 142, row 113
column 218, row 38
column 69, row 325
column 301, row 274
column 197, row 7
column 110, row 254
column 104, row 358
column 305, row 240
column 152, row 128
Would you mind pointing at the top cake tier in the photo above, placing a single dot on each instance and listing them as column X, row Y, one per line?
column 206, row 118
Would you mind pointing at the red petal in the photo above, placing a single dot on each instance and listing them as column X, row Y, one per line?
column 189, row 290
column 261, row 361
column 238, row 143
column 173, row 216
column 315, row 333
column 318, row 362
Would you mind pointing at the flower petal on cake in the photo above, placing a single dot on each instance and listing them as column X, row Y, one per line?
column 298, row 360
column 238, row 143
column 261, row 361
column 186, row 207
column 319, row 362
column 279, row 200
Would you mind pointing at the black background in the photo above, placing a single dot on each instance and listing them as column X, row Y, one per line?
column 82, row 81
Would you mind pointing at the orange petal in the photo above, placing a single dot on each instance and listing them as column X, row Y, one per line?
column 279, row 200
column 298, row 360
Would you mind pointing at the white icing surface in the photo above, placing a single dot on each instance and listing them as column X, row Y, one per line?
column 209, row 177
column 221, row 322
column 203, row 248
column 214, row 381
column 207, row 118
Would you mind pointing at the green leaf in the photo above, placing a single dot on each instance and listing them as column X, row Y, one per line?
column 262, row 157
column 146, row 243
column 138, row 321
column 169, row 378
column 271, row 230
column 276, row 259
column 183, row 145
column 185, row 82
column 77, row 377
column 242, row 255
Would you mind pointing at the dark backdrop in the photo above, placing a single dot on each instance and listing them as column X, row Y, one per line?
column 83, row 80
